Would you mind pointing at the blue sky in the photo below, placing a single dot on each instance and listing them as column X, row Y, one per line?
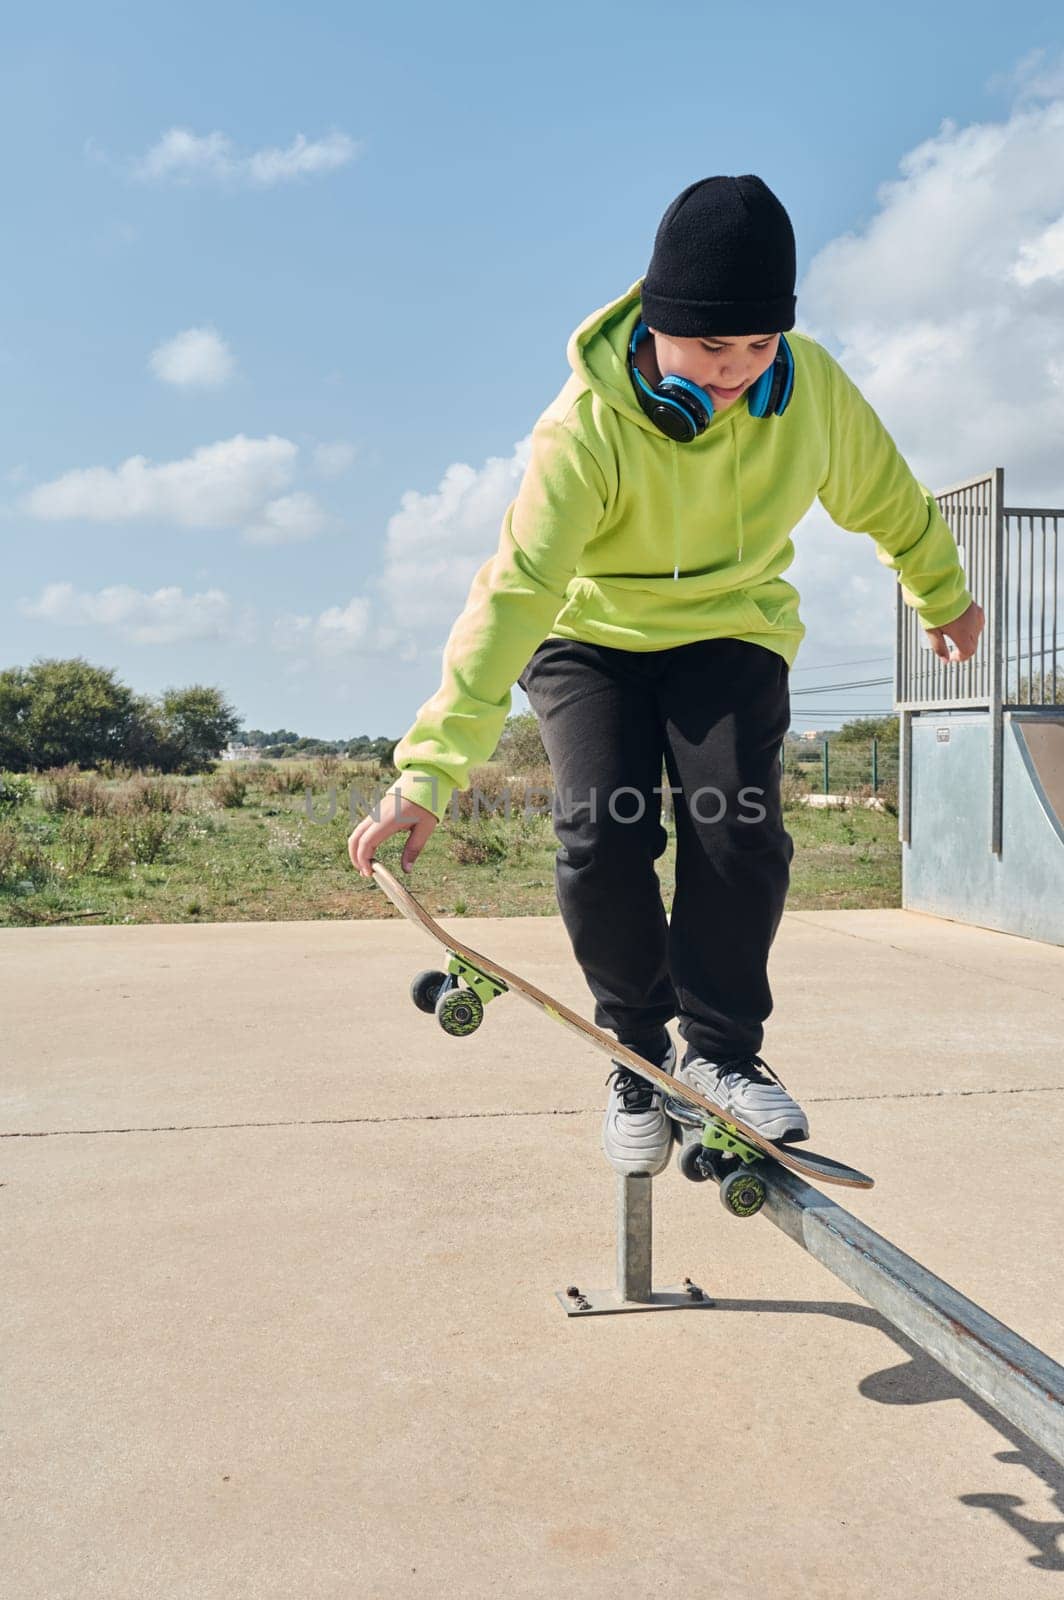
column 285, row 290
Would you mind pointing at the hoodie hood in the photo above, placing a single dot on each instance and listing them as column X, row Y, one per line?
column 598, row 354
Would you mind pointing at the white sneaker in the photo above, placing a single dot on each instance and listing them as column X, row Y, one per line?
column 739, row 1085
column 636, row 1133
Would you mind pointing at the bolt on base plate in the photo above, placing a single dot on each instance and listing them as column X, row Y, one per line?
column 576, row 1302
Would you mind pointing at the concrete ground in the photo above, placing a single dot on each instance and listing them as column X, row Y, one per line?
column 280, row 1261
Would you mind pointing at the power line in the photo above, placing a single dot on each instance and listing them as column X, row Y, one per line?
column 842, row 711
column 856, row 683
column 829, row 666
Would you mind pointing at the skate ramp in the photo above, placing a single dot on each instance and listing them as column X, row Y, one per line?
column 948, row 868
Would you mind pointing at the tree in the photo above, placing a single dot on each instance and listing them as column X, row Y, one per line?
column 59, row 711
column 862, row 729
column 148, row 743
column 15, row 703
column 521, row 744
column 197, row 725
column 259, row 736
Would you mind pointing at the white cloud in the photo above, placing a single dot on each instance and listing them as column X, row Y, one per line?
column 947, row 311
column 433, row 546
column 333, row 460
column 232, row 484
column 344, row 626
column 196, row 358
column 182, row 156
column 1033, row 78
column 347, row 630
column 166, row 616
column 287, row 520
column 1041, row 256
column 435, row 542
column 228, row 484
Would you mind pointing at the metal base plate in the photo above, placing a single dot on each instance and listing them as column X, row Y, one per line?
column 601, row 1302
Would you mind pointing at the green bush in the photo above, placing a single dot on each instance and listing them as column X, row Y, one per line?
column 67, row 788
column 521, row 746
column 228, row 787
column 24, row 866
column 91, row 846
column 491, row 786
column 288, row 777
column 886, row 794
column 792, row 788
column 150, row 792
column 476, row 846
column 147, row 835
column 286, row 848
column 492, row 842
column 15, row 791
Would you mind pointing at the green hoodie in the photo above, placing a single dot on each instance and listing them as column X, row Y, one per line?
column 619, row 536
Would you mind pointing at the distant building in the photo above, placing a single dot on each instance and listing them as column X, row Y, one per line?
column 241, row 752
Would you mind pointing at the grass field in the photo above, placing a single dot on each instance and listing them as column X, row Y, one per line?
column 247, row 843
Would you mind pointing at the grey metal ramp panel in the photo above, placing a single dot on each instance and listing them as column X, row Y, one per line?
column 948, row 868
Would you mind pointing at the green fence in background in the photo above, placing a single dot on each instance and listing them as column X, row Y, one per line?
column 828, row 766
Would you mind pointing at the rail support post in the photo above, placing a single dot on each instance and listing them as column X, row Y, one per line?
column 635, row 1229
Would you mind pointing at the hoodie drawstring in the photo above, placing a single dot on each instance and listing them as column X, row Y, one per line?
column 675, row 496
column 738, row 491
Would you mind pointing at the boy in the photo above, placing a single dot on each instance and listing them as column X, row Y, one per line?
column 638, row 584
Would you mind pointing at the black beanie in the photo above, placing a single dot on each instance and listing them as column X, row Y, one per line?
column 723, row 262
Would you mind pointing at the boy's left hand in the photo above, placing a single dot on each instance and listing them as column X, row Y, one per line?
column 963, row 630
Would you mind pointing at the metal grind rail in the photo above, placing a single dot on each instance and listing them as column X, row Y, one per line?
column 1022, row 1383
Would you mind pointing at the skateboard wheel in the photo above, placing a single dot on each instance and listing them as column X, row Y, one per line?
column 743, row 1193
column 425, row 989
column 691, row 1163
column 459, row 1011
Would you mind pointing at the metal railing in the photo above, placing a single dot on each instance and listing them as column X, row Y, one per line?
column 975, row 513
column 1032, row 631
column 1013, row 572
column 1021, row 1382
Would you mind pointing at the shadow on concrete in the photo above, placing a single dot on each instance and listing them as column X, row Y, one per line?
column 920, row 1380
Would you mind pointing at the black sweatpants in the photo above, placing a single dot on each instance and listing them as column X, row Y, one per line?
column 715, row 712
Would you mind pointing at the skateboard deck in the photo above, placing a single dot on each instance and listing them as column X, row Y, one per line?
column 716, row 1143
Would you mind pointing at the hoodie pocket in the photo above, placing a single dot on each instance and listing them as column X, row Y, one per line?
column 776, row 603
column 578, row 592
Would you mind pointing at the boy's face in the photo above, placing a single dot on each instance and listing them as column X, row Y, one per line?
column 725, row 367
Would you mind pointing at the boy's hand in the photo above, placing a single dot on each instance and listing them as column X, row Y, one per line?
column 395, row 815
column 963, row 630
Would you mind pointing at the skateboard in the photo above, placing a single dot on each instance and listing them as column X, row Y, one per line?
column 714, row 1144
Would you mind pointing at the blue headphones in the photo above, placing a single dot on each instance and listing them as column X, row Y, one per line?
column 682, row 410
